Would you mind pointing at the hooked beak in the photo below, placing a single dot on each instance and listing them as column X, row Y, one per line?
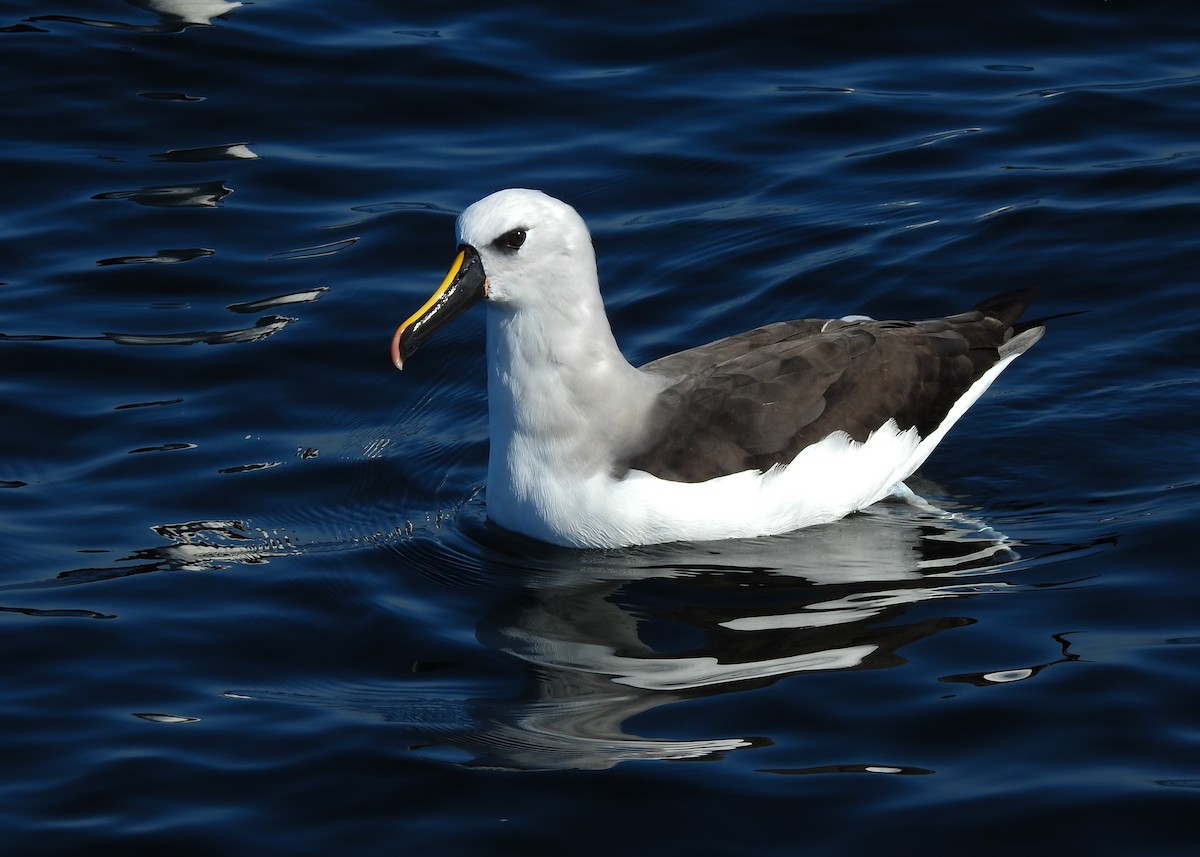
column 464, row 286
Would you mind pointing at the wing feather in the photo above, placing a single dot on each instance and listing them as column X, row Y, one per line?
column 756, row 399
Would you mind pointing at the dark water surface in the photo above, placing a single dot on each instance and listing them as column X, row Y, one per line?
column 249, row 598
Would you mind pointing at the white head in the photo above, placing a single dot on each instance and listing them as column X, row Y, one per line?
column 530, row 244
column 525, row 252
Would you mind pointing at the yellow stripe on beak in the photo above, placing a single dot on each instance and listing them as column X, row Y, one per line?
column 437, row 295
column 465, row 284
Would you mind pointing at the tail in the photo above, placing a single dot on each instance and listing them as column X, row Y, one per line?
column 1007, row 308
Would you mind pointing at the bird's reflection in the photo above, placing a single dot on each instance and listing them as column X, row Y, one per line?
column 662, row 625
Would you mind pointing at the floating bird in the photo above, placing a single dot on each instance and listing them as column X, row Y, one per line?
column 789, row 425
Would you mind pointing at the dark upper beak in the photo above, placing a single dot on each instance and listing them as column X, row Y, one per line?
column 464, row 286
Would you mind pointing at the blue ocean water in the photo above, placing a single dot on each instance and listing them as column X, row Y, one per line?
column 249, row 597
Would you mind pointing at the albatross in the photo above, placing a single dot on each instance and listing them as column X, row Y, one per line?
column 785, row 426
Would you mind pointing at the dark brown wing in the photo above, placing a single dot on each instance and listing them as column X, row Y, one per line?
column 756, row 399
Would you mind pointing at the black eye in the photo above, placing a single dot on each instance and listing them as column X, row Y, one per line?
column 511, row 240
